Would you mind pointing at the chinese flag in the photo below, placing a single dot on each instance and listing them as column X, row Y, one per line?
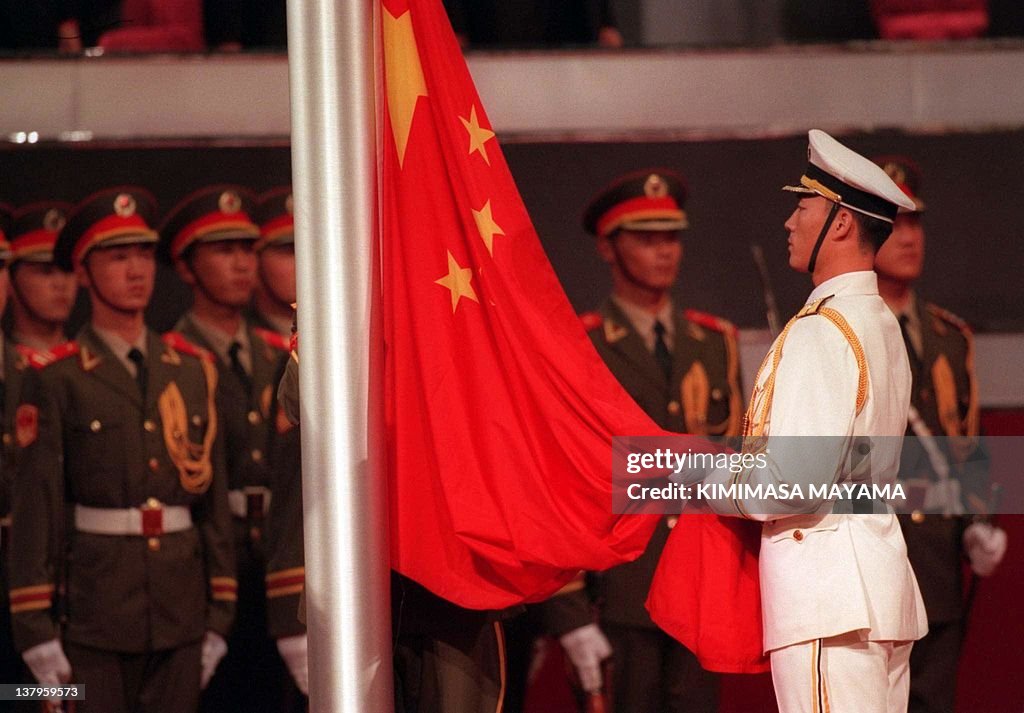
column 706, row 592
column 499, row 414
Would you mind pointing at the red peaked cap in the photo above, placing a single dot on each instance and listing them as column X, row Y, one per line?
column 35, row 228
column 651, row 199
column 906, row 174
column 211, row 214
column 114, row 216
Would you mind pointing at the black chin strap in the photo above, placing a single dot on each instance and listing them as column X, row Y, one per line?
column 821, row 237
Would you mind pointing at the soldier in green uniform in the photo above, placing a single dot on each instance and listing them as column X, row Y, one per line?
column 122, row 573
column 682, row 368
column 209, row 238
column 272, row 305
column 944, row 400
column 11, row 665
column 41, row 294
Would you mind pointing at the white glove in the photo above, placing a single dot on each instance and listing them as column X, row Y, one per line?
column 48, row 663
column 214, row 649
column 293, row 650
column 586, row 648
column 985, row 545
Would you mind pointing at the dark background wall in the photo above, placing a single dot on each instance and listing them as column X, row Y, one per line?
column 973, row 184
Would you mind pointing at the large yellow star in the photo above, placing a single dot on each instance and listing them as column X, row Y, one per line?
column 404, row 76
column 487, row 227
column 458, row 282
column 478, row 135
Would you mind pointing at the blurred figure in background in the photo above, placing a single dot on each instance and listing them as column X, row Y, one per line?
column 122, row 579
column 930, row 19
column 41, row 294
column 274, row 298
column 272, row 308
column 11, row 666
column 681, row 367
column 944, row 398
column 132, row 25
column 210, row 237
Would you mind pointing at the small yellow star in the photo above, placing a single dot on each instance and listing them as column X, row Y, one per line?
column 487, row 227
column 478, row 135
column 458, row 282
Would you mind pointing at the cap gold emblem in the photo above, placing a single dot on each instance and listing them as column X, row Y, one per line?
column 655, row 186
column 124, row 205
column 229, row 202
column 54, row 220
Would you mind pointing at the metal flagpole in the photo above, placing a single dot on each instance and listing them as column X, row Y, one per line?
column 332, row 60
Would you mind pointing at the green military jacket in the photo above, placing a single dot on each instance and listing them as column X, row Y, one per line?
column 15, row 365
column 702, row 396
column 945, row 395
column 245, row 414
column 87, row 437
column 286, row 573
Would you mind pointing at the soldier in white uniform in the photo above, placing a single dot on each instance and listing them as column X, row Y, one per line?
column 841, row 606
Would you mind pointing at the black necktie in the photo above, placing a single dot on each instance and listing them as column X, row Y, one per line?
column 238, row 368
column 915, row 358
column 661, row 352
column 140, row 369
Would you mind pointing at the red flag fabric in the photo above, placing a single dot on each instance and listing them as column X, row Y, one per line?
column 706, row 592
column 499, row 413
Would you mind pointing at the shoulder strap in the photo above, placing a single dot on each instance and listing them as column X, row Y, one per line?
column 755, row 420
column 858, row 352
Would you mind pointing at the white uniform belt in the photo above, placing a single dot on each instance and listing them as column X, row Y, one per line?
column 251, row 500
column 150, row 520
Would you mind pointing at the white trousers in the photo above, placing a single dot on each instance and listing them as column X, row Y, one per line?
column 842, row 674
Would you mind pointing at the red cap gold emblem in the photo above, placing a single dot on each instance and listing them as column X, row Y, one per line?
column 124, row 205
column 54, row 220
column 655, row 186
column 229, row 202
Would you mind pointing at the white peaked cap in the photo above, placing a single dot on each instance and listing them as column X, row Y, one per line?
column 844, row 176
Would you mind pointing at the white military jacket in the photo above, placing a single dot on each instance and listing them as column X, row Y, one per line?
column 828, row 574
